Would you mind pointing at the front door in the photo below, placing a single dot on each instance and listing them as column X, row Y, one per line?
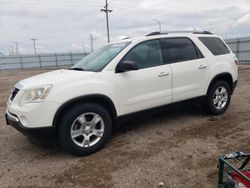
column 149, row 86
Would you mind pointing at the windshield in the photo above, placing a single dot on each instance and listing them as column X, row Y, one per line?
column 98, row 59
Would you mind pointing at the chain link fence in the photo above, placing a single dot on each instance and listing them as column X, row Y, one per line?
column 40, row 60
column 241, row 48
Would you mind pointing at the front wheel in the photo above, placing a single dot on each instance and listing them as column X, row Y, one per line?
column 218, row 98
column 85, row 129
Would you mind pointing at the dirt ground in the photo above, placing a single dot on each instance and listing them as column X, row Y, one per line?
column 178, row 146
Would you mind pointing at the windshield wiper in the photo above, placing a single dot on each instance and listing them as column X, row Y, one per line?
column 77, row 69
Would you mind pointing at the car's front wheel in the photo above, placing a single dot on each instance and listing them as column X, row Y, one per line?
column 84, row 129
column 218, row 98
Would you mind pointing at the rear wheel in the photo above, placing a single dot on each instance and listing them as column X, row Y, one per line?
column 219, row 97
column 85, row 129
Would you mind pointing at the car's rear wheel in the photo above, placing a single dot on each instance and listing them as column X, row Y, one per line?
column 218, row 98
column 85, row 129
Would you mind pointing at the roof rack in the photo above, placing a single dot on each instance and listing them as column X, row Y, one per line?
column 168, row 32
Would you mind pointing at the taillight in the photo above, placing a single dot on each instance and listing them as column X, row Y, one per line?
column 237, row 62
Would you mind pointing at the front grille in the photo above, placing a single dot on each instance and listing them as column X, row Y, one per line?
column 13, row 94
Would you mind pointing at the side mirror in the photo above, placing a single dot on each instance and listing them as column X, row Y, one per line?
column 126, row 65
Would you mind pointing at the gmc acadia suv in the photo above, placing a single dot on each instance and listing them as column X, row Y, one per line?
column 78, row 107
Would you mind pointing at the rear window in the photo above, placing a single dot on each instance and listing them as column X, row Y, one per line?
column 215, row 45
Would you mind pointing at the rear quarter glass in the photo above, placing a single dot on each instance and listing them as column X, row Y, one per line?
column 215, row 45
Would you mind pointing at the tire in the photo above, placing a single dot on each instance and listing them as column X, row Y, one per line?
column 218, row 101
column 79, row 134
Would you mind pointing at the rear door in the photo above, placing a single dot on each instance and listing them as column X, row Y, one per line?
column 189, row 68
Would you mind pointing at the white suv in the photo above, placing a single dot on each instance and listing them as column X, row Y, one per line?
column 78, row 107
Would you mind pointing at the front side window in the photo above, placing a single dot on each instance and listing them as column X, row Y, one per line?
column 180, row 49
column 98, row 59
column 145, row 55
column 215, row 45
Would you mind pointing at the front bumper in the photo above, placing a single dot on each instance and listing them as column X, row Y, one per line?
column 44, row 134
column 34, row 115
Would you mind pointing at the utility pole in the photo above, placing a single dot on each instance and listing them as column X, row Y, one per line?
column 34, row 44
column 159, row 23
column 91, row 42
column 107, row 11
column 17, row 51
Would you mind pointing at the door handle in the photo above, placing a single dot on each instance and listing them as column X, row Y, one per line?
column 163, row 74
column 202, row 67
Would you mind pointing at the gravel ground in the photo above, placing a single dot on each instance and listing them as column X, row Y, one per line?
column 177, row 146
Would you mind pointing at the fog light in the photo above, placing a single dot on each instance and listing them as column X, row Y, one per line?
column 23, row 120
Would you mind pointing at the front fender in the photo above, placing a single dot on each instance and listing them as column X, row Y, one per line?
column 99, row 84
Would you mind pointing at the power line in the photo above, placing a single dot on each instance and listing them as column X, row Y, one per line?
column 107, row 11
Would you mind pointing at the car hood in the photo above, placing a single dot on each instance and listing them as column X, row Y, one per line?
column 53, row 77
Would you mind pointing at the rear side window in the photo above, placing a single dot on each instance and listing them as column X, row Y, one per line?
column 180, row 49
column 215, row 45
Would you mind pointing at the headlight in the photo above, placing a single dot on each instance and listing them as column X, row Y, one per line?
column 35, row 95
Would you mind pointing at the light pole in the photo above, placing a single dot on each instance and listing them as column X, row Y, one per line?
column 159, row 23
column 34, row 44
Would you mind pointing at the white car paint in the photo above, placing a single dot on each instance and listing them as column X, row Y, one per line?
column 143, row 89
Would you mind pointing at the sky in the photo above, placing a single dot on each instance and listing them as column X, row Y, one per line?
column 65, row 25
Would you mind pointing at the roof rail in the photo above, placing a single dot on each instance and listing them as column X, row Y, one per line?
column 203, row 32
column 155, row 33
column 168, row 32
